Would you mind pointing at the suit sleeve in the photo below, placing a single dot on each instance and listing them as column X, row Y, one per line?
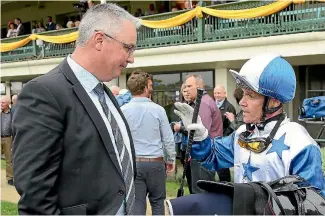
column 37, row 150
column 308, row 165
column 215, row 154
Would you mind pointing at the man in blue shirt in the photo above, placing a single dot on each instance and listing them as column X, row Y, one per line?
column 153, row 139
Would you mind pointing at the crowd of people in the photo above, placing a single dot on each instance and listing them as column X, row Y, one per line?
column 85, row 149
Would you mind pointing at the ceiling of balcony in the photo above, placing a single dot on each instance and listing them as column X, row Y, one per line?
column 16, row 5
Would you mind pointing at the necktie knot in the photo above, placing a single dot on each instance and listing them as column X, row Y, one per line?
column 99, row 89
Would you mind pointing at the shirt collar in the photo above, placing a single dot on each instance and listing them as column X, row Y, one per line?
column 87, row 79
column 9, row 111
column 219, row 103
column 140, row 99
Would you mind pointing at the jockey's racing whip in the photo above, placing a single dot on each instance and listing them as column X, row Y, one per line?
column 187, row 159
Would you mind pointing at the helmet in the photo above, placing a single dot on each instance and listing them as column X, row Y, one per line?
column 269, row 75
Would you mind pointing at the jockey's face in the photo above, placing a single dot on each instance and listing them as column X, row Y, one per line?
column 252, row 104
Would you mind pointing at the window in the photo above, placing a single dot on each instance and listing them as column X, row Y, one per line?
column 3, row 89
column 167, row 81
column 16, row 87
column 207, row 76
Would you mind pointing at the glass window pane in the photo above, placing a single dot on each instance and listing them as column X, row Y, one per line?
column 16, row 87
column 207, row 76
column 3, row 88
column 166, row 81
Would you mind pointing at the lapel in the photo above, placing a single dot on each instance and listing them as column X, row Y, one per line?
column 112, row 98
column 92, row 111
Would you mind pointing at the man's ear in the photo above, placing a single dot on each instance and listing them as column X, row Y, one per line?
column 274, row 103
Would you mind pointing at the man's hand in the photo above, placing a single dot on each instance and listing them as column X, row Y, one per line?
column 170, row 167
column 177, row 127
column 185, row 112
column 230, row 116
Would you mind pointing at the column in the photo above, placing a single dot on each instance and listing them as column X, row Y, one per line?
column 8, row 88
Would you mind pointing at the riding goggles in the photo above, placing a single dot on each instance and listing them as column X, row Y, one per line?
column 256, row 145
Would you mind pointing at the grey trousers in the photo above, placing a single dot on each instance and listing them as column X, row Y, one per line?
column 151, row 181
column 200, row 173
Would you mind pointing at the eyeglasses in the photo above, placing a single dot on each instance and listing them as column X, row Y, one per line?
column 130, row 48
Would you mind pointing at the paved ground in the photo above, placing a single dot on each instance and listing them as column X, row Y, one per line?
column 8, row 193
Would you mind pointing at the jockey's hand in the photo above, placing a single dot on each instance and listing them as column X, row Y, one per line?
column 185, row 112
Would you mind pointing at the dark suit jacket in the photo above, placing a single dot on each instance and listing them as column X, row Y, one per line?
column 50, row 27
column 226, row 107
column 64, row 160
column 21, row 30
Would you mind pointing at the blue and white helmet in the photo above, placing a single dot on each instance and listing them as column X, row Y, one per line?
column 269, row 75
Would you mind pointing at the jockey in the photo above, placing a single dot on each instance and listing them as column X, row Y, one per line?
column 268, row 146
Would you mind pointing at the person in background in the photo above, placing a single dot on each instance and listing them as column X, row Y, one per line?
column 70, row 24
column 6, row 136
column 187, row 5
column 151, row 10
column 152, row 137
column 91, row 4
column 12, row 31
column 115, row 90
column 212, row 120
column 236, row 121
column 179, row 129
column 58, row 27
column 50, row 26
column 123, row 97
column 138, row 13
column 20, row 28
column 77, row 23
column 220, row 95
column 39, row 28
column 13, row 102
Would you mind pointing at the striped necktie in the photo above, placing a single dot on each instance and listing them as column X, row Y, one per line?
column 124, row 156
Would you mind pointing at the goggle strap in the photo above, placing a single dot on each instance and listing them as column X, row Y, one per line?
column 275, row 129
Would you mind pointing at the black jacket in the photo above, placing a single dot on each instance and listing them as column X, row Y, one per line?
column 64, row 159
column 226, row 107
column 50, row 27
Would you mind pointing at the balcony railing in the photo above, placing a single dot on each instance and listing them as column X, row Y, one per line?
column 296, row 18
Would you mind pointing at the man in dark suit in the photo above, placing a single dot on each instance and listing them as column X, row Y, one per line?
column 50, row 26
column 20, row 28
column 224, row 106
column 73, row 151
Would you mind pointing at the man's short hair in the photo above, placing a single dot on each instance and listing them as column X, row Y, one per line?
column 198, row 78
column 138, row 81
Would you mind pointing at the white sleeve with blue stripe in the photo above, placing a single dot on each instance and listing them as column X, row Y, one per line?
column 216, row 153
column 308, row 165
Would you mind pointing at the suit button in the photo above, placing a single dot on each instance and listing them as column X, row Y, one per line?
column 120, row 192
